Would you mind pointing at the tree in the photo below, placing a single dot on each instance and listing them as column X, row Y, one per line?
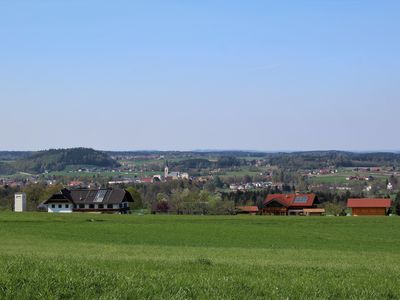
column 394, row 181
column 210, row 186
column 163, row 206
column 218, row 206
column 333, row 208
column 37, row 193
column 177, row 201
column 397, row 204
column 247, row 179
column 161, row 196
column 137, row 198
column 302, row 183
column 218, row 182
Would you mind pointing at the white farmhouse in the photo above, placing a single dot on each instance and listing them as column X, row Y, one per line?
column 90, row 200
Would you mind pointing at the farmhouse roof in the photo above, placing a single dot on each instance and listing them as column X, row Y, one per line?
column 293, row 200
column 369, row 202
column 58, row 198
column 91, row 196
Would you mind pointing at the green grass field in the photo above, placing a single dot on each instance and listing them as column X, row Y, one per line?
column 88, row 256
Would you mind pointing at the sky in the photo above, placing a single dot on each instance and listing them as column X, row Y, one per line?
column 185, row 75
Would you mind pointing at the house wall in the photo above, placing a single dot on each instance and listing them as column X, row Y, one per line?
column 368, row 211
column 64, row 209
column 314, row 214
column 275, row 211
column 58, row 209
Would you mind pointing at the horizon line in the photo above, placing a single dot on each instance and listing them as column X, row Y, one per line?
column 220, row 150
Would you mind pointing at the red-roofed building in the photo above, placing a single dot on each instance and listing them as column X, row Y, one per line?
column 369, row 206
column 76, row 183
column 146, row 180
column 289, row 204
column 252, row 210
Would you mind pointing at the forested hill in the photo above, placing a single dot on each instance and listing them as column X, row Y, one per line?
column 58, row 159
column 14, row 155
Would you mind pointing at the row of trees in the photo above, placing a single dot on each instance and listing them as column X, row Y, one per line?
column 192, row 202
column 36, row 193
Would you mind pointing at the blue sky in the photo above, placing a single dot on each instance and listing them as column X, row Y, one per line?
column 182, row 75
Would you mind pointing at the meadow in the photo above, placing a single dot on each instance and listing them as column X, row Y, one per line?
column 54, row 256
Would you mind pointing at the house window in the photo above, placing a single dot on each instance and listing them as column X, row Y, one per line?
column 53, row 206
column 81, row 205
column 101, row 205
column 59, row 205
column 66, row 205
column 109, row 206
column 91, row 205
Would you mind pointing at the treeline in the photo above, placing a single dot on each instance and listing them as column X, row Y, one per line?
column 7, row 168
column 287, row 160
column 321, row 159
column 14, row 155
column 193, row 203
column 35, row 193
column 202, row 163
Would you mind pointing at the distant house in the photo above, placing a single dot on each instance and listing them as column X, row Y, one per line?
column 291, row 204
column 146, row 180
column 174, row 175
column 369, row 206
column 88, row 200
column 76, row 183
column 155, row 178
column 251, row 210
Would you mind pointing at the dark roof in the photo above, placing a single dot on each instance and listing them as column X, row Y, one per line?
column 91, row 196
column 369, row 202
column 58, row 198
column 292, row 200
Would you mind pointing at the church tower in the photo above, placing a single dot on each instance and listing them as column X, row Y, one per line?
column 166, row 170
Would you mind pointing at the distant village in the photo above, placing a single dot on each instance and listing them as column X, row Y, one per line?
column 372, row 174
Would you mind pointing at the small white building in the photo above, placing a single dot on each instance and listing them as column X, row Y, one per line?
column 20, row 202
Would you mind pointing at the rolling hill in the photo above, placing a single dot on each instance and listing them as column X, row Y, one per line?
column 58, row 159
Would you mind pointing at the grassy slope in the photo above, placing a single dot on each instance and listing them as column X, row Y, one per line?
column 47, row 256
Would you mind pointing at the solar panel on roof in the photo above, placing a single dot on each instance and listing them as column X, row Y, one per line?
column 100, row 196
column 300, row 199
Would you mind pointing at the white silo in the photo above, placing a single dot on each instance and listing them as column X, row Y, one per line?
column 20, row 202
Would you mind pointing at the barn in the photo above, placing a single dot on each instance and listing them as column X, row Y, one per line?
column 369, row 206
